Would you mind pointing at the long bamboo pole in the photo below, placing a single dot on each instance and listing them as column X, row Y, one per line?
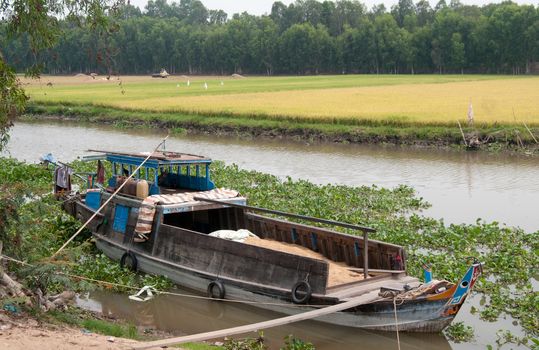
column 108, row 200
column 356, row 301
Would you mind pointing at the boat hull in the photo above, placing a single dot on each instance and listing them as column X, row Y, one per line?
column 412, row 316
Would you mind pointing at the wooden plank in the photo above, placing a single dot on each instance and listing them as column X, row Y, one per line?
column 256, row 326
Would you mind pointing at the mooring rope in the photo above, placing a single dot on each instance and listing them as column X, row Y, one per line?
column 396, row 323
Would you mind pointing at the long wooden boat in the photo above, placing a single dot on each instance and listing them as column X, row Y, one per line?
column 291, row 268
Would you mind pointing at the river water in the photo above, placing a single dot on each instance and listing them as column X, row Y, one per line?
column 461, row 186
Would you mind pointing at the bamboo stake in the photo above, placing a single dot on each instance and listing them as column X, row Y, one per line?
column 526, row 126
column 462, row 132
column 108, row 200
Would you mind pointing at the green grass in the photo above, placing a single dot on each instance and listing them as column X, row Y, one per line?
column 112, row 329
column 347, row 99
column 353, row 131
column 199, row 346
column 85, row 320
column 72, row 89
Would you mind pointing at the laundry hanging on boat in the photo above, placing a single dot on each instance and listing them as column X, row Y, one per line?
column 62, row 179
column 100, row 172
column 148, row 207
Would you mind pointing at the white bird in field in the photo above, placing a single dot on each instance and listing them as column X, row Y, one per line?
column 222, row 83
column 188, row 83
column 205, row 85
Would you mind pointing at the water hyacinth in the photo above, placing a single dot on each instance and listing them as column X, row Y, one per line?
column 510, row 255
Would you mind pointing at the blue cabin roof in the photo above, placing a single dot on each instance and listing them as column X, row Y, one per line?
column 157, row 160
column 172, row 162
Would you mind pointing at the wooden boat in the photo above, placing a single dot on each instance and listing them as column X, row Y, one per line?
column 289, row 269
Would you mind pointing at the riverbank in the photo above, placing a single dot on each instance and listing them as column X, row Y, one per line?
column 496, row 137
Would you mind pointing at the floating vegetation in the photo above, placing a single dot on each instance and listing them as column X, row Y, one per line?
column 459, row 332
column 510, row 255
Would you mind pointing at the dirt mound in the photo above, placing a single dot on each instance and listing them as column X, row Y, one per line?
column 237, row 76
column 339, row 273
column 81, row 75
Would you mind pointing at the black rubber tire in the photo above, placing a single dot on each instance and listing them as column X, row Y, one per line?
column 220, row 288
column 129, row 260
column 301, row 292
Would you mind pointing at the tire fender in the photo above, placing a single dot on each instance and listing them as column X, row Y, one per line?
column 301, row 292
column 220, row 290
column 129, row 260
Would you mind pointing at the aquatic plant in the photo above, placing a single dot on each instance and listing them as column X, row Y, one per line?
column 459, row 332
column 510, row 255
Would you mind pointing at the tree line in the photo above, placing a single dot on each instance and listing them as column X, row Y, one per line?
column 305, row 37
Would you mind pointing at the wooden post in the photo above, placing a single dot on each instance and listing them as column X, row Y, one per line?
column 366, row 255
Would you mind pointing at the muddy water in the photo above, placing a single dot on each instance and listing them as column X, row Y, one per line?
column 171, row 314
column 182, row 316
column 461, row 187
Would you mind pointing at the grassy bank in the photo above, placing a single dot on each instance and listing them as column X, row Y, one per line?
column 511, row 256
column 421, row 109
column 496, row 137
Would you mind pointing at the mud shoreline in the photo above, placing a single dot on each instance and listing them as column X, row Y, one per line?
column 491, row 138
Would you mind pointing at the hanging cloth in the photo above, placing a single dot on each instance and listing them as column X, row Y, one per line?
column 100, row 172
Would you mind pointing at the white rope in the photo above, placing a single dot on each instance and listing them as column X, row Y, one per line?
column 107, row 201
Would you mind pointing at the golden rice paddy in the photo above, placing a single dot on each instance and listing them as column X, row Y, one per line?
column 428, row 99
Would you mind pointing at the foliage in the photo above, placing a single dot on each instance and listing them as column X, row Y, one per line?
column 459, row 332
column 291, row 343
column 246, row 343
column 37, row 23
column 305, row 37
column 12, row 99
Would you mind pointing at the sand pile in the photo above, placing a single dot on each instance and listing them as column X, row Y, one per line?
column 339, row 272
column 237, row 76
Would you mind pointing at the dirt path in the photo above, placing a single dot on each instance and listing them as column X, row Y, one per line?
column 28, row 334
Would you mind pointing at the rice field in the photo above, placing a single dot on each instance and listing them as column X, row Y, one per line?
column 420, row 99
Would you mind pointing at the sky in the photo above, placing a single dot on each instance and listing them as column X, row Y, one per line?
column 259, row 7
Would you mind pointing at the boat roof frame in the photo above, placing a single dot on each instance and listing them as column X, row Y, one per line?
column 157, row 160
